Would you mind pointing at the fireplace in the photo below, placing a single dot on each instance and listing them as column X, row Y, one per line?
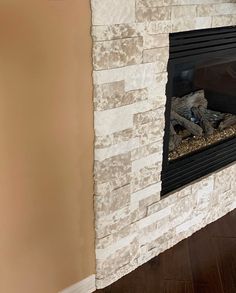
column 200, row 129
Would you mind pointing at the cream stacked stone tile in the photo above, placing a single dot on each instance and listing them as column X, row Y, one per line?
column 181, row 24
column 108, row 12
column 146, row 193
column 117, row 220
column 106, row 204
column 126, row 254
column 117, row 31
column 135, row 76
column 131, row 52
column 113, row 95
column 113, row 139
column 146, row 151
column 118, row 119
column 158, row 27
column 155, row 41
column 224, row 8
column 183, row 11
column 113, row 168
column 146, row 176
column 223, row 20
column 117, row 53
column 205, row 10
column 159, row 56
column 150, row 132
column 202, row 191
column 122, row 271
column 144, row 13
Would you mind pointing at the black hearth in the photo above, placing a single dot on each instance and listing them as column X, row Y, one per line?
column 200, row 130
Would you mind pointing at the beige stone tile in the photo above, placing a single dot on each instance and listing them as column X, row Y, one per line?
column 114, row 167
column 223, row 20
column 113, row 95
column 148, row 116
column 107, row 12
column 113, row 223
column 205, row 10
column 117, row 53
column 146, row 176
column 117, row 31
column 203, row 22
column 150, row 132
column 155, row 41
column 153, row 14
column 225, row 8
column 183, row 11
column 142, row 195
column 159, row 56
column 118, row 119
column 144, row 151
column 126, row 269
column 109, row 95
column 158, row 27
column 121, row 258
column 111, row 202
column 223, row 181
column 183, row 24
column 112, row 239
column 114, row 138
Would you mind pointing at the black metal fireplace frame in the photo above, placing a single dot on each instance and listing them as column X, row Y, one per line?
column 189, row 47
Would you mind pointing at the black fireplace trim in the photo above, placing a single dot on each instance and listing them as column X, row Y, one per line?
column 190, row 168
column 182, row 171
column 202, row 41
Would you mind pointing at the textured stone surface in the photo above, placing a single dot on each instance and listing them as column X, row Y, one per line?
column 153, row 13
column 117, row 53
column 113, row 95
column 131, row 52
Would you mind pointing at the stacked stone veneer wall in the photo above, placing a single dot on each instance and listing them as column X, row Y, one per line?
column 130, row 62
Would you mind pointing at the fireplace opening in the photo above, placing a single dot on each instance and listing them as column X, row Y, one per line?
column 200, row 129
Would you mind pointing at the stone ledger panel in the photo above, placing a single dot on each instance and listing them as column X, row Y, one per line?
column 131, row 51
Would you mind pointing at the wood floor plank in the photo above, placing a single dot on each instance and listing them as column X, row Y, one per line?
column 226, row 256
column 225, row 226
column 176, row 263
column 174, row 286
column 205, row 273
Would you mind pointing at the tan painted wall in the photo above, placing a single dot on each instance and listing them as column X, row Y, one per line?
column 46, row 209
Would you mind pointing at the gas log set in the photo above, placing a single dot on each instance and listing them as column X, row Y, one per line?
column 194, row 126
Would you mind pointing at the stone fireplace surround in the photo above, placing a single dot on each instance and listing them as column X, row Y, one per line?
column 131, row 49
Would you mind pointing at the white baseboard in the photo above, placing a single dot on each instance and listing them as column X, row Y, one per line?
column 85, row 286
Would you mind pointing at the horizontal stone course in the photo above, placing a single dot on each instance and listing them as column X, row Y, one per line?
column 131, row 51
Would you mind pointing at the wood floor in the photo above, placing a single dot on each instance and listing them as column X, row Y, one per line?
column 204, row 263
